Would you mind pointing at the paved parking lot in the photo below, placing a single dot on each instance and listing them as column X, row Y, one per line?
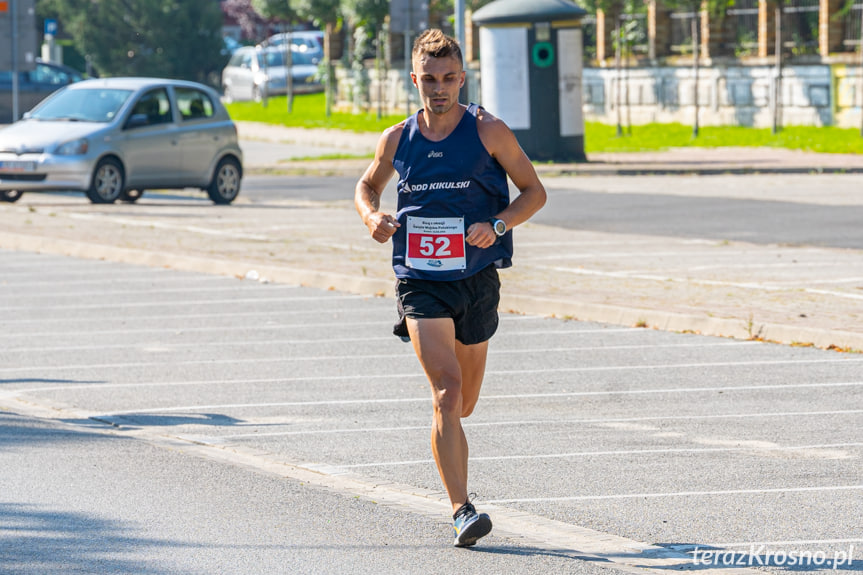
column 635, row 446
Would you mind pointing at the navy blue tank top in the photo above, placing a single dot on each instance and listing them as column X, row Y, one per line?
column 444, row 187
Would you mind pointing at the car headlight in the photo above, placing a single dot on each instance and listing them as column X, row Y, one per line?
column 74, row 148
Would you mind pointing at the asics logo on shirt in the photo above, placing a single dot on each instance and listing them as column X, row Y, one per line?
column 434, row 154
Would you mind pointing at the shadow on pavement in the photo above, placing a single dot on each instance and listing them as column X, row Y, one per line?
column 41, row 540
column 16, row 430
column 158, row 420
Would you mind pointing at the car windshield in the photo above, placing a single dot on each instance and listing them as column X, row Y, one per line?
column 88, row 105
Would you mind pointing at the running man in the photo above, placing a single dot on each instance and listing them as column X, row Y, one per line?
column 450, row 234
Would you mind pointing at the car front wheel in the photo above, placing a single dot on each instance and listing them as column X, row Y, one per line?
column 226, row 182
column 10, row 195
column 107, row 184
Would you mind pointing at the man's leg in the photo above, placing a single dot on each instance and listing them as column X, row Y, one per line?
column 471, row 359
column 455, row 373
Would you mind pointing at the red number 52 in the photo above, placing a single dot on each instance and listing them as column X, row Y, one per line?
column 436, row 246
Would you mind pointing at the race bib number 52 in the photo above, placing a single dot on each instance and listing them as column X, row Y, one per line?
column 435, row 244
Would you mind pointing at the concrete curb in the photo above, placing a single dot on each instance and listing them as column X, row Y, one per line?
column 729, row 170
column 683, row 323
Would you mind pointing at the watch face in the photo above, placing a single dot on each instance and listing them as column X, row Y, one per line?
column 500, row 227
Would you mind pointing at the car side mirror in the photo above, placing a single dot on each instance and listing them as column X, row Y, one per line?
column 137, row 121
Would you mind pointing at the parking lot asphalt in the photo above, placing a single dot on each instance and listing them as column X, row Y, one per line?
column 161, row 421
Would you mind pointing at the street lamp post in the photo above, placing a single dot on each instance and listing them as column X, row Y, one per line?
column 14, row 52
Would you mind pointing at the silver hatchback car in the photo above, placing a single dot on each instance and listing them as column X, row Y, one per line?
column 113, row 138
column 253, row 73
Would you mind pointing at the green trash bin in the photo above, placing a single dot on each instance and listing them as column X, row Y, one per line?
column 530, row 74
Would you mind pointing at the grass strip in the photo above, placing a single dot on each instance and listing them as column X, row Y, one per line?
column 309, row 111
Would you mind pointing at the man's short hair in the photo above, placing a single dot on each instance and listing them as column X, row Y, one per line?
column 436, row 44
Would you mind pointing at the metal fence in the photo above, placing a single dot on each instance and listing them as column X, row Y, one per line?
column 851, row 36
column 743, row 23
column 800, row 26
column 800, row 29
column 681, row 31
column 634, row 27
column 588, row 36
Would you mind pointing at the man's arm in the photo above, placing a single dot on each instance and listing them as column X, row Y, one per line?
column 367, row 197
column 501, row 143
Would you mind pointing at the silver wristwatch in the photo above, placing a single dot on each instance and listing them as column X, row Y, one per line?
column 499, row 226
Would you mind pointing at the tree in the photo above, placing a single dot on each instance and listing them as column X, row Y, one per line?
column 165, row 38
column 714, row 8
column 695, row 6
column 280, row 10
column 275, row 9
column 366, row 19
column 245, row 15
column 613, row 9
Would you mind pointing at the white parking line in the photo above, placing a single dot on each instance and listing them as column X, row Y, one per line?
column 763, row 265
column 270, row 342
column 160, row 224
column 783, row 543
column 233, row 301
column 603, row 368
column 113, row 280
column 53, row 268
column 764, row 491
column 271, row 313
column 149, row 291
column 612, row 453
column 485, row 398
column 690, row 280
column 545, row 422
column 823, row 281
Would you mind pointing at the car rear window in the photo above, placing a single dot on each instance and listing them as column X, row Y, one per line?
column 193, row 104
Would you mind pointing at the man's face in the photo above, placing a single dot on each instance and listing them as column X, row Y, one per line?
column 438, row 81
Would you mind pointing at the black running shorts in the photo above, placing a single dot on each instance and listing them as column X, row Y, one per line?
column 471, row 303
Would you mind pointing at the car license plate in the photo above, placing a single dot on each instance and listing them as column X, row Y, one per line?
column 17, row 166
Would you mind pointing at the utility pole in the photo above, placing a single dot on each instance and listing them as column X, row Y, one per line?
column 777, row 86
column 617, row 74
column 289, row 66
column 14, row 52
column 406, row 17
column 408, row 59
column 459, row 23
column 695, row 43
column 17, row 44
column 460, row 35
column 861, row 70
